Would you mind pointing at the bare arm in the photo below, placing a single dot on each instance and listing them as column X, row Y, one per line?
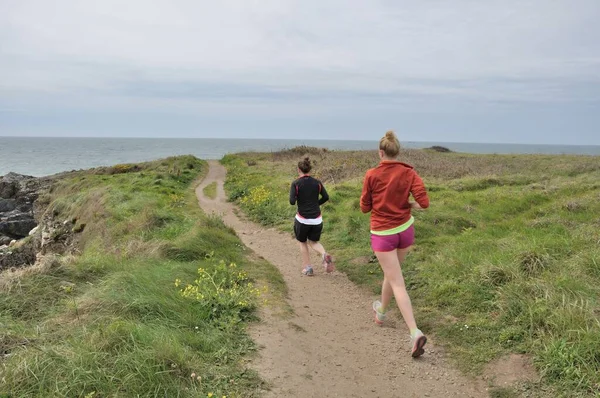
column 415, row 206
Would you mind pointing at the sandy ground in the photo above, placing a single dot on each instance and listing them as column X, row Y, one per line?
column 330, row 347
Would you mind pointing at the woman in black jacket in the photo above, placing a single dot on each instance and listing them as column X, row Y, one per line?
column 309, row 194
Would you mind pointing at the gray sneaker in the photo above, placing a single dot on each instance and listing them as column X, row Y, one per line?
column 418, row 342
column 379, row 316
column 308, row 271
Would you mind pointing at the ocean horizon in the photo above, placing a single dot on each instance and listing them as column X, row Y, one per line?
column 42, row 156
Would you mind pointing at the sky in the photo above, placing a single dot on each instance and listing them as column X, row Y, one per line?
column 525, row 71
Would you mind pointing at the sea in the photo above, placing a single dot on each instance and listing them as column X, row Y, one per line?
column 50, row 155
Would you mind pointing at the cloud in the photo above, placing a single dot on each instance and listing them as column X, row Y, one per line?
column 296, row 56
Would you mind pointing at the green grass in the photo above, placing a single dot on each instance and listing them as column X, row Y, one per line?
column 507, row 258
column 110, row 321
column 210, row 191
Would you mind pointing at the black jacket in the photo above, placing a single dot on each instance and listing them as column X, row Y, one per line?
column 305, row 191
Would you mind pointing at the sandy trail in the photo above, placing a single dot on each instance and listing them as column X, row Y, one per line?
column 331, row 347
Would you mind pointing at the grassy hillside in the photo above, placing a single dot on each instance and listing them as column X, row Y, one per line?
column 507, row 258
column 110, row 320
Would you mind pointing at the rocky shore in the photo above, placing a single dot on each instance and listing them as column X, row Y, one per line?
column 21, row 237
column 18, row 194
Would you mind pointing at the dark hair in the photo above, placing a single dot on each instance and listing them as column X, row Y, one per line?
column 304, row 165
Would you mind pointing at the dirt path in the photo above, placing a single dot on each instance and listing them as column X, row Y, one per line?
column 331, row 347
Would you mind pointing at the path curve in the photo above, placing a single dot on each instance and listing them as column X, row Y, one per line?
column 331, row 347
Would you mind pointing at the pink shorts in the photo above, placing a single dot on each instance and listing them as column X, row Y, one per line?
column 387, row 243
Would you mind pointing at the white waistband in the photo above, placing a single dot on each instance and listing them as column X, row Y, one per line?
column 309, row 221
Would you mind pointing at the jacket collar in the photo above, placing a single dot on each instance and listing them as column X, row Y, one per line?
column 393, row 162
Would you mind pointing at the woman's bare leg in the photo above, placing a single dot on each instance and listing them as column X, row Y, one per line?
column 394, row 283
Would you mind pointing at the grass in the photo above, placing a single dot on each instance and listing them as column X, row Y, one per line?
column 507, row 258
column 210, row 191
column 110, row 321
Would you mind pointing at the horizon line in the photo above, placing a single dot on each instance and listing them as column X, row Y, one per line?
column 297, row 139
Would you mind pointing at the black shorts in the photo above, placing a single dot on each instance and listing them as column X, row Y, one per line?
column 310, row 232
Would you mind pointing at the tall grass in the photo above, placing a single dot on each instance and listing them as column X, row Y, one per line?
column 506, row 260
column 110, row 320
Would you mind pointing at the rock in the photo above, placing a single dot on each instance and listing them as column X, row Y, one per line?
column 25, row 207
column 17, row 195
column 18, row 212
column 12, row 183
column 16, row 216
column 18, row 256
column 17, row 228
column 438, row 148
column 7, row 205
column 56, row 236
column 33, row 231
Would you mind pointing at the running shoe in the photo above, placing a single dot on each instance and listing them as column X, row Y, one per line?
column 418, row 342
column 308, row 271
column 379, row 316
column 328, row 263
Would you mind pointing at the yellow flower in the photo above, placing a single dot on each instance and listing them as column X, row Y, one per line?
column 210, row 394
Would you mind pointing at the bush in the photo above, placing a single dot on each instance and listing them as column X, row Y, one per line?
column 223, row 290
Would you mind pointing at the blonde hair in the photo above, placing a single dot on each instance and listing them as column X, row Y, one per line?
column 389, row 144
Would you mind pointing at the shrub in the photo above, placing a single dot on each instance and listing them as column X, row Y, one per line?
column 223, row 290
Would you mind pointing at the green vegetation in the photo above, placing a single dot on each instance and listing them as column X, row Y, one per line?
column 507, row 258
column 111, row 321
column 210, row 191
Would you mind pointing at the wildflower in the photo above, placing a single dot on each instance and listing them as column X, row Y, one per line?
column 210, row 394
column 193, row 375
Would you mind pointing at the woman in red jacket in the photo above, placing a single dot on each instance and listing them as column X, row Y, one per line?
column 386, row 194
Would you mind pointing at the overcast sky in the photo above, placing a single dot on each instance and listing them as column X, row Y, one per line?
column 459, row 71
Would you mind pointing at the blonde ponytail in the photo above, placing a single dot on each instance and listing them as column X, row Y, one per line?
column 389, row 144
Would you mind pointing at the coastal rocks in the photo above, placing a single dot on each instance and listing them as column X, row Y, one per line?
column 17, row 225
column 51, row 237
column 18, row 194
column 7, row 205
column 438, row 148
column 27, row 229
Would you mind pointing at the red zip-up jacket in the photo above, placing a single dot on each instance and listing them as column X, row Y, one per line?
column 385, row 193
